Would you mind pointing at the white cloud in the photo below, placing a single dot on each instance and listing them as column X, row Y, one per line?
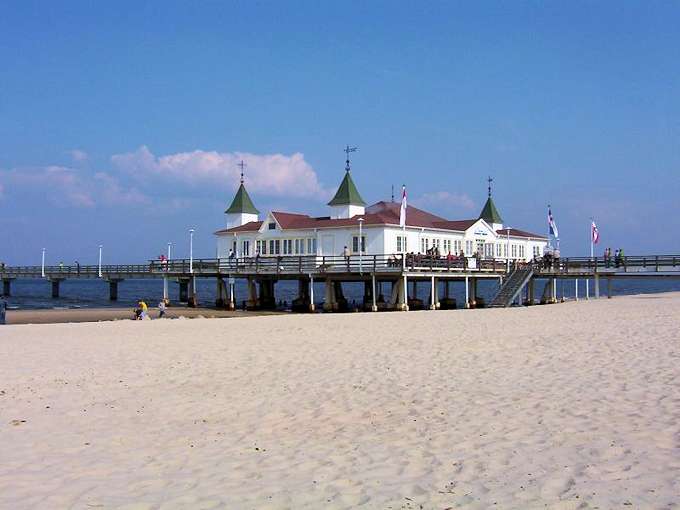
column 78, row 156
column 67, row 186
column 446, row 201
column 269, row 174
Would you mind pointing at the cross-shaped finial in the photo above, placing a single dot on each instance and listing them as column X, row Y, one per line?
column 490, row 180
column 347, row 150
column 242, row 165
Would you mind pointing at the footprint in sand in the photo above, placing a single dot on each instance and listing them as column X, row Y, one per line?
column 17, row 422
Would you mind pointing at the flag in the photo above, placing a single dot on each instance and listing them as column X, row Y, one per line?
column 402, row 211
column 552, row 225
column 594, row 233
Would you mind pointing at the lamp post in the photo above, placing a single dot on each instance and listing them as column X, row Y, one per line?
column 169, row 250
column 43, row 263
column 100, row 260
column 507, row 255
column 361, row 245
column 191, row 250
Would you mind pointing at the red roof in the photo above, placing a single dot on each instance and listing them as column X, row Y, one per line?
column 380, row 213
column 519, row 233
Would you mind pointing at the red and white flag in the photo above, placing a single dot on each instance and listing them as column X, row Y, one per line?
column 594, row 233
column 402, row 211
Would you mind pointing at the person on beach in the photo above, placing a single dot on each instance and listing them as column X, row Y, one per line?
column 3, row 309
column 161, row 309
column 143, row 310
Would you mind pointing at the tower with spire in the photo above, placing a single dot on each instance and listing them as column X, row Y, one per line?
column 347, row 201
column 489, row 213
column 242, row 210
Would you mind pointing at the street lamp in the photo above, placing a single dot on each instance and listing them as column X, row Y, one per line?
column 191, row 250
column 100, row 260
column 361, row 245
column 169, row 248
column 43, row 263
column 507, row 255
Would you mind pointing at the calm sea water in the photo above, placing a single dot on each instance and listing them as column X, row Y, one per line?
column 36, row 294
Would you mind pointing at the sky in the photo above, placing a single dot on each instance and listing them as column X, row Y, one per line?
column 122, row 123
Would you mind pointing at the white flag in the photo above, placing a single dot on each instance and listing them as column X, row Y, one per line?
column 402, row 211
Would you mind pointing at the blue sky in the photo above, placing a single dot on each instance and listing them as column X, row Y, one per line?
column 121, row 123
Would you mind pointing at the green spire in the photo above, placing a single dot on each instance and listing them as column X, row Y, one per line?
column 242, row 203
column 347, row 193
column 490, row 214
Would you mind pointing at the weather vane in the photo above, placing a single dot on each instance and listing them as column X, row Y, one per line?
column 242, row 165
column 490, row 180
column 347, row 150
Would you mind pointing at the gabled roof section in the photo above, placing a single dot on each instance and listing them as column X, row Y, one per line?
column 251, row 226
column 490, row 214
column 242, row 203
column 347, row 193
column 514, row 232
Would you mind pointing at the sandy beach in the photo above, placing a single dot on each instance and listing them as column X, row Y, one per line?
column 55, row 316
column 566, row 406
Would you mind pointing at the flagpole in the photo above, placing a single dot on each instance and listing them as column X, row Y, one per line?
column 591, row 258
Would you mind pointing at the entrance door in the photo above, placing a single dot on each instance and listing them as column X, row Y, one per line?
column 328, row 245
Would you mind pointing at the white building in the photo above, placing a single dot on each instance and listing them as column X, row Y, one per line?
column 283, row 233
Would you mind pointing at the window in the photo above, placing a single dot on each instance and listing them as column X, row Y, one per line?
column 537, row 251
column 488, row 250
column 264, row 248
column 447, row 245
column 499, row 250
column 521, row 251
column 233, row 247
column 513, row 249
column 422, row 245
column 311, row 246
column 355, row 244
column 468, row 247
column 457, row 246
column 287, row 246
column 401, row 244
column 302, row 246
column 277, row 247
column 245, row 248
column 271, row 226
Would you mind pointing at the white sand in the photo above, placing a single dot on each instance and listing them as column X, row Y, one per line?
column 565, row 406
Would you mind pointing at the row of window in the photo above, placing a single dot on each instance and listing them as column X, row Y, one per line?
column 280, row 247
column 455, row 246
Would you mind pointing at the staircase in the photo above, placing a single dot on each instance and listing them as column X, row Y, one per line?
column 512, row 286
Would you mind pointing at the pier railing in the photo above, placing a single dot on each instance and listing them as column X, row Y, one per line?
column 637, row 264
column 265, row 265
column 300, row 265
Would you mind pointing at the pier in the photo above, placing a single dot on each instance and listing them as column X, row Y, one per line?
column 516, row 281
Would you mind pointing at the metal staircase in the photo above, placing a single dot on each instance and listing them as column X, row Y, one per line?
column 512, row 287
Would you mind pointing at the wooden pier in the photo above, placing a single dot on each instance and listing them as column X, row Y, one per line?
column 516, row 280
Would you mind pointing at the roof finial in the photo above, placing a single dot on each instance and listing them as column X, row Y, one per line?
column 347, row 150
column 242, row 165
column 490, row 180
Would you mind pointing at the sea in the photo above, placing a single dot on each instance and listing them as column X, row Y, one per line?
column 36, row 294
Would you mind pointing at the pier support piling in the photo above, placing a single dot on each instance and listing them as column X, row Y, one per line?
column 404, row 305
column 183, row 291
column 166, row 286
column 576, row 289
column 193, row 293
column 609, row 288
column 554, row 291
column 532, row 288
column 597, row 285
column 113, row 290
column 467, row 292
column 311, row 293
column 220, row 293
column 6, row 287
column 374, row 304
column 251, row 302
column 329, row 296
column 55, row 287
column 232, row 302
